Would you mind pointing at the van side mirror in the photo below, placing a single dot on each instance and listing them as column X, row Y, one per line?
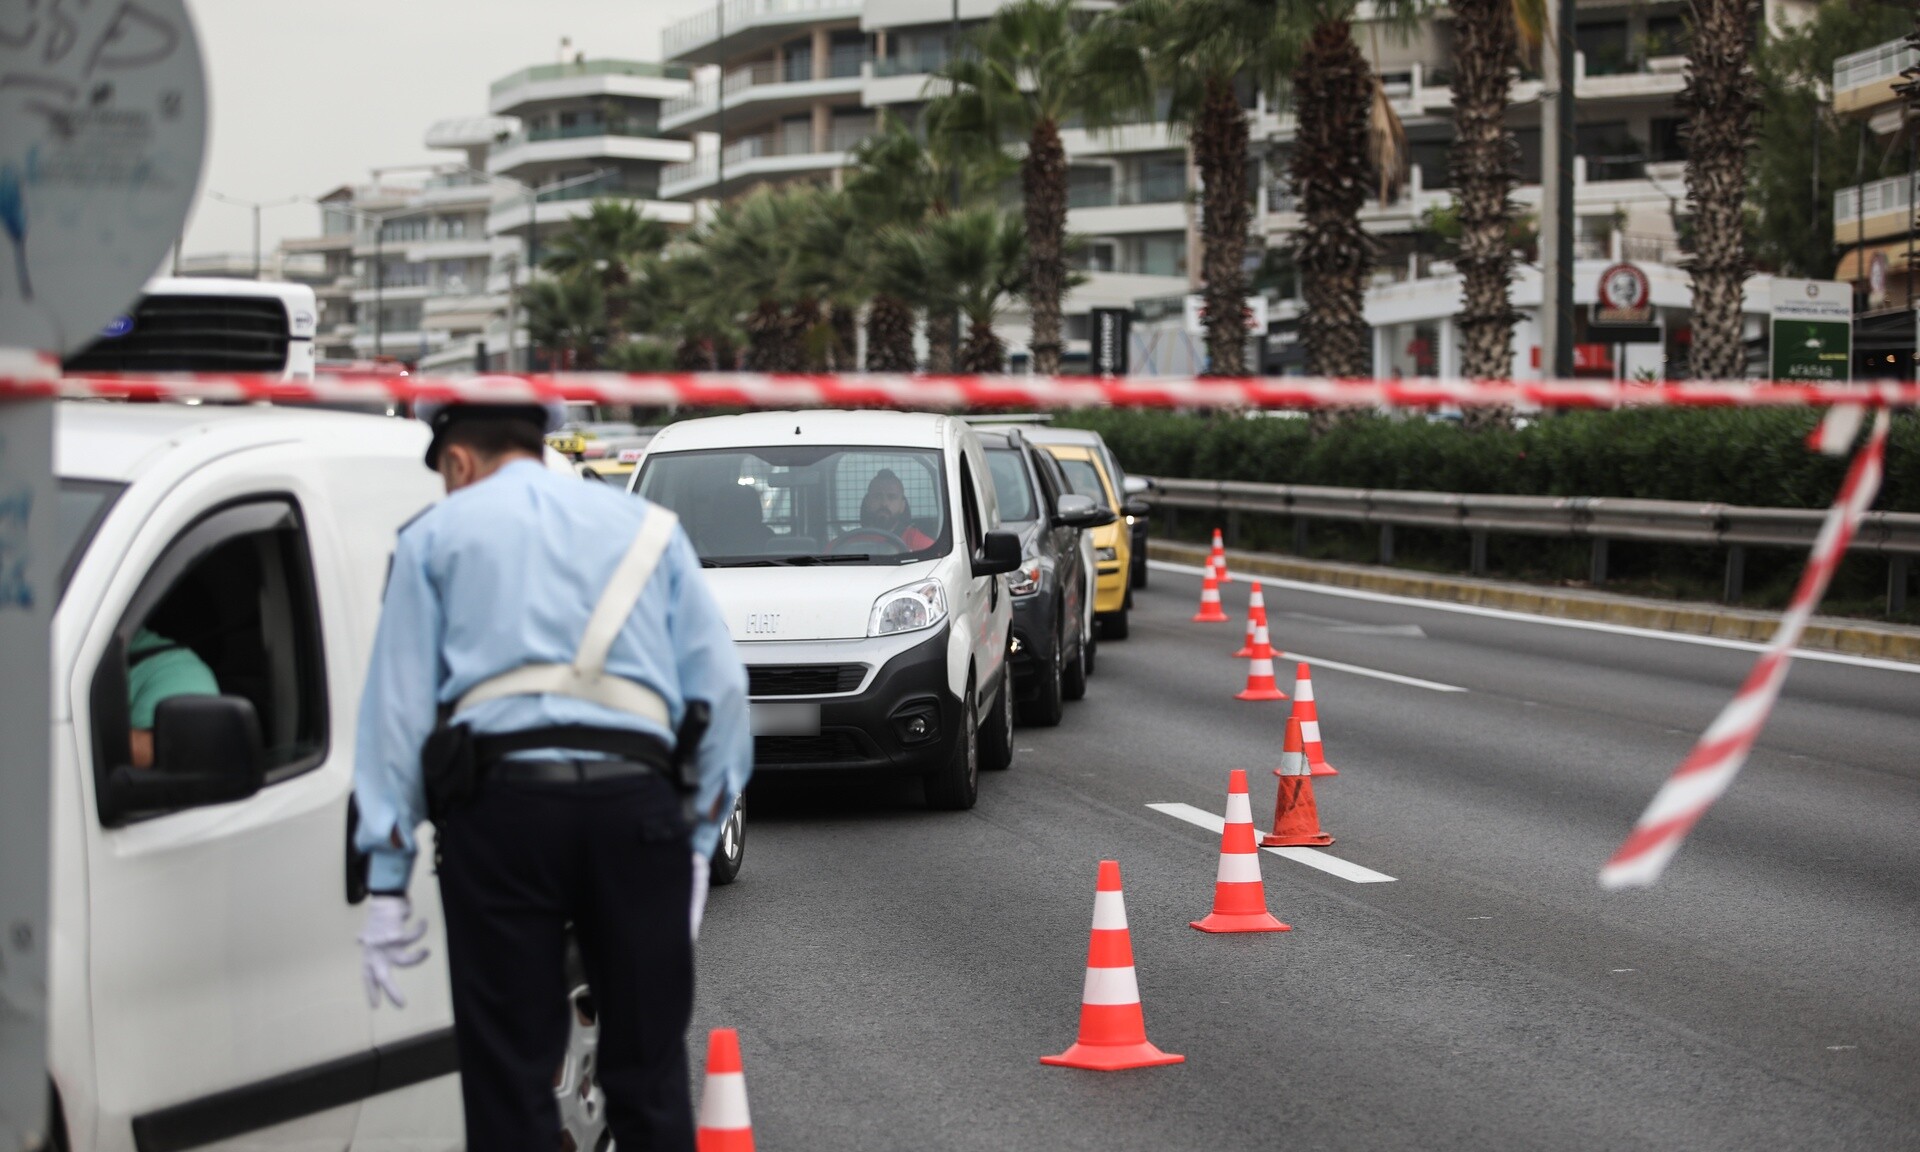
column 1138, row 507
column 999, row 553
column 1076, row 511
column 1135, row 485
column 206, row 750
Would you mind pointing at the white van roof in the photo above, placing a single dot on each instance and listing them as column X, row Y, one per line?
column 96, row 440
column 864, row 428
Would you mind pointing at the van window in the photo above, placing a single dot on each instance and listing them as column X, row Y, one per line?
column 1085, row 479
column 970, row 508
column 1010, row 484
column 744, row 507
column 229, row 609
column 77, row 514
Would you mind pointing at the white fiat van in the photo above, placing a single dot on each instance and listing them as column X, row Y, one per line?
column 858, row 558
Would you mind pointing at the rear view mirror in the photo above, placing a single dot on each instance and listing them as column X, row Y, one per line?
column 999, row 553
column 1138, row 507
column 1075, row 511
column 206, row 750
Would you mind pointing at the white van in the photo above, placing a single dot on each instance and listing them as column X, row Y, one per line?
column 858, row 558
column 209, row 324
column 205, row 985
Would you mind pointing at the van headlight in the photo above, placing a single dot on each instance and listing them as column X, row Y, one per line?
column 1025, row 580
column 908, row 609
column 1106, row 555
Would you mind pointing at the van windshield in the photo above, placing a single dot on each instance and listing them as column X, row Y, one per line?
column 1085, row 479
column 803, row 505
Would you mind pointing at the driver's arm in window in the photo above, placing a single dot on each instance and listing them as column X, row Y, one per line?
column 159, row 669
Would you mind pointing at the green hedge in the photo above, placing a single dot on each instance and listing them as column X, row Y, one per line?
column 1754, row 457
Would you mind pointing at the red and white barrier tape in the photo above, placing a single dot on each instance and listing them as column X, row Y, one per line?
column 753, row 390
column 1704, row 776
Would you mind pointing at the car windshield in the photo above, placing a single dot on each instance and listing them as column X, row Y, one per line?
column 803, row 505
column 77, row 513
column 1085, row 479
column 1011, row 485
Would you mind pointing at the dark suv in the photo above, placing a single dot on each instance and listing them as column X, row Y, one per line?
column 1052, row 644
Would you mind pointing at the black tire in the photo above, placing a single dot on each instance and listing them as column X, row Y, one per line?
column 731, row 852
column 1049, row 703
column 1140, row 574
column 1073, row 678
column 955, row 785
column 996, row 731
column 1114, row 626
column 1092, row 642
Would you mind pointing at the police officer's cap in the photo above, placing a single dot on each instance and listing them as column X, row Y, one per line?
column 443, row 414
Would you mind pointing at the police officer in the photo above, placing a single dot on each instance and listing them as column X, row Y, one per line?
column 541, row 644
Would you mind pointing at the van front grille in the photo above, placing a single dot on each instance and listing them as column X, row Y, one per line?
column 194, row 334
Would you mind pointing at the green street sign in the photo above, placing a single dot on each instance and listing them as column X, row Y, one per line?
column 1812, row 330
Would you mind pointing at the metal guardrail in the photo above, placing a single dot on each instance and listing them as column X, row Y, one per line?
column 1600, row 519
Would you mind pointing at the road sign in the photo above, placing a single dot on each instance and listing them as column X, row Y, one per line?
column 1110, row 328
column 103, row 126
column 1624, row 296
column 1812, row 330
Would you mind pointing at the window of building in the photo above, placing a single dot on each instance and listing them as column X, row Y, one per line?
column 798, row 60
column 1162, row 255
column 1610, row 150
column 796, row 136
column 230, row 610
column 1664, row 143
column 1666, row 36
column 1604, row 44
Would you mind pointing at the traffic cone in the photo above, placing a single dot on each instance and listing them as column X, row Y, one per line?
column 1256, row 614
column 724, row 1123
column 1239, row 898
column 1260, row 682
column 1210, row 611
column 1296, row 819
column 1308, row 713
column 1218, row 559
column 1113, row 1033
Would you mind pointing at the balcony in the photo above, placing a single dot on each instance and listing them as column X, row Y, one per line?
column 1874, row 211
column 767, row 89
column 595, row 140
column 1865, row 80
column 509, row 216
column 748, row 24
column 759, row 157
column 586, row 78
column 1158, row 188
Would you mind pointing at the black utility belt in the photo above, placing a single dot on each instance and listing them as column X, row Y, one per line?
column 566, row 771
column 455, row 759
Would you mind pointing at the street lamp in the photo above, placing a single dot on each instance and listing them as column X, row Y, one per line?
column 256, row 205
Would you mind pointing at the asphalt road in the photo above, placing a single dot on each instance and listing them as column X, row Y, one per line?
column 896, row 974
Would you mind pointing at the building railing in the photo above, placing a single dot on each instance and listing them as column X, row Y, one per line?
column 580, row 131
column 1881, row 62
column 841, row 138
column 1893, row 194
column 545, row 72
column 1161, row 188
column 704, row 27
column 614, row 184
column 1600, row 519
column 841, row 64
column 915, row 63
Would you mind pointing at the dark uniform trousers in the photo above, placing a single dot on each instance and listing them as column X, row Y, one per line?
column 516, row 866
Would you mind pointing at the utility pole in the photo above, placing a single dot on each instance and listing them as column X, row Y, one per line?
column 1557, row 92
column 720, row 110
column 379, row 287
column 256, row 206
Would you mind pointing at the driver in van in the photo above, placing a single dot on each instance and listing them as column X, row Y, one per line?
column 159, row 669
column 885, row 507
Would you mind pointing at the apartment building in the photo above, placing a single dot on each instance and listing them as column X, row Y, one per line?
column 1874, row 223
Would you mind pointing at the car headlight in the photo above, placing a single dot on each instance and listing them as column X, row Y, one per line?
column 1106, row 555
column 1025, row 580
column 908, row 609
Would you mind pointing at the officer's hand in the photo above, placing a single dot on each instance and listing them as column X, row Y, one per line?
column 387, row 943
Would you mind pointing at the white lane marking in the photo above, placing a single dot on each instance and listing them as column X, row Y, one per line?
column 1357, row 670
column 1557, row 621
column 1410, row 631
column 1311, row 857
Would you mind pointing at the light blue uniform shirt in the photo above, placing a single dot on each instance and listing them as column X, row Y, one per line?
column 505, row 573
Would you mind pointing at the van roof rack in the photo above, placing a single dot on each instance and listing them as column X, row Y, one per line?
column 1007, row 418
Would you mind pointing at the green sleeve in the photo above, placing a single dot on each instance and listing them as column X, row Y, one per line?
column 162, row 677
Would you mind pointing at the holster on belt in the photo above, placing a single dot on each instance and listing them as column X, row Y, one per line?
column 449, row 768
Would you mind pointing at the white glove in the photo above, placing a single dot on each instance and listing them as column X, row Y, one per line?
column 385, row 944
column 702, row 870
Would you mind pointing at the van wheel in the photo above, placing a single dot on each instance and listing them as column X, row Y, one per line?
column 956, row 785
column 1047, row 706
column 1073, row 679
column 996, row 733
column 576, row 1086
column 1113, row 625
column 731, row 851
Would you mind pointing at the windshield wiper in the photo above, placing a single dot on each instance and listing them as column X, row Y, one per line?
column 830, row 558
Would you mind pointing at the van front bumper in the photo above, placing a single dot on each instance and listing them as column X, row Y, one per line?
column 902, row 719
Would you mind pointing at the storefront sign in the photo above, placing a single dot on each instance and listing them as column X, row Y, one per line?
column 1812, row 330
column 1624, row 297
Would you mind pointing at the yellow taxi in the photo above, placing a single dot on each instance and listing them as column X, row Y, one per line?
column 1112, row 543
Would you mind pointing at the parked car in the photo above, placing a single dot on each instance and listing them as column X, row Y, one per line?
column 860, row 562
column 1052, row 603
column 1134, row 511
column 1112, row 544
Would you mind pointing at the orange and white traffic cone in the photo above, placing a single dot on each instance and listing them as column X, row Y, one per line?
column 1113, row 1032
column 1239, row 897
column 1260, row 681
column 1256, row 615
column 1217, row 560
column 1308, row 713
column 724, row 1123
column 1296, row 819
column 1210, row 610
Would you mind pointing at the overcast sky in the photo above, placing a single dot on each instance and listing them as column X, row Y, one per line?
column 307, row 95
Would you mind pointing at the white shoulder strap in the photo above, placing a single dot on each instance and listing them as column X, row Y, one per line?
column 583, row 679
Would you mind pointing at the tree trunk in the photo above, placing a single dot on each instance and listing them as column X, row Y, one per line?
column 692, row 355
column 984, row 353
column 1720, row 98
column 942, row 326
column 766, row 338
column 1332, row 88
column 1220, row 150
column 846, row 338
column 889, row 335
column 1043, row 178
column 1484, row 158
column 804, row 349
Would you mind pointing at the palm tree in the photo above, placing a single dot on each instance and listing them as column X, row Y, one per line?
column 829, row 271
column 1198, row 53
column 567, row 316
column 981, row 254
column 1720, row 98
column 751, row 248
column 1332, row 99
column 1023, row 80
column 606, row 243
